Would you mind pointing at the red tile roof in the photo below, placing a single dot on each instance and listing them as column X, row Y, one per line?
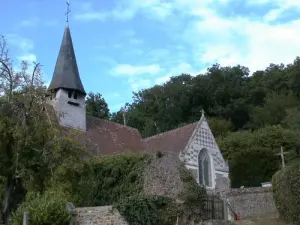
column 106, row 137
column 171, row 141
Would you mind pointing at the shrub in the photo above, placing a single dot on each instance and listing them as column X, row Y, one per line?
column 47, row 209
column 193, row 198
column 242, row 171
column 148, row 210
column 103, row 180
column 286, row 188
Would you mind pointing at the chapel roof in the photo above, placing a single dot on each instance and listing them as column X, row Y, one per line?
column 108, row 138
column 171, row 141
column 66, row 74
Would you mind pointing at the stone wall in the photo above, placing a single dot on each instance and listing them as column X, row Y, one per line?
column 162, row 177
column 70, row 115
column 104, row 215
column 251, row 202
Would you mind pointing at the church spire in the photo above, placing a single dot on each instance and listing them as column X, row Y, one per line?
column 66, row 74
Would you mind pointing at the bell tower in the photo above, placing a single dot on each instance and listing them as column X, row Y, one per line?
column 67, row 92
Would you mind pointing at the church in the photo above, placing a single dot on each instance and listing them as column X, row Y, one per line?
column 194, row 143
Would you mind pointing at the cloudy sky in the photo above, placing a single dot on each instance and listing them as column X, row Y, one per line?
column 126, row 45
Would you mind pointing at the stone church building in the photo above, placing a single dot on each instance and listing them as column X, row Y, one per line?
column 194, row 143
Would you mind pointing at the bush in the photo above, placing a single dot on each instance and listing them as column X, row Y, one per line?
column 193, row 198
column 47, row 209
column 148, row 210
column 106, row 180
column 286, row 188
column 244, row 173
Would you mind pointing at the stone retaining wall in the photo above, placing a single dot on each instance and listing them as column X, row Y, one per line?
column 251, row 202
column 104, row 215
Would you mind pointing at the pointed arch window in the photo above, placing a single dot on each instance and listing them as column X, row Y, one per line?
column 204, row 165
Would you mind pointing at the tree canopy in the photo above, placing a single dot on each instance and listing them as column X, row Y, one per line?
column 31, row 144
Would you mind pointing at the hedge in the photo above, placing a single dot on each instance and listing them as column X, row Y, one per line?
column 48, row 208
column 286, row 188
column 115, row 180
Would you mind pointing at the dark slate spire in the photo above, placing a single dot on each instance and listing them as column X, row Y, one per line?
column 66, row 73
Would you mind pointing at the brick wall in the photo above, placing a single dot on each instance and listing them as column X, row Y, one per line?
column 251, row 202
column 104, row 215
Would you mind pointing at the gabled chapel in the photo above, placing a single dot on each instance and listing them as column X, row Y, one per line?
column 194, row 143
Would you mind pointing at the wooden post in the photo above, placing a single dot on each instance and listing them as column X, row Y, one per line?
column 26, row 218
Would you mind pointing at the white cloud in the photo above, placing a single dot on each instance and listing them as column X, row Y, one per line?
column 138, row 84
column 181, row 68
column 28, row 57
column 241, row 40
column 21, row 43
column 130, row 70
column 213, row 38
column 89, row 14
column 31, row 22
column 206, row 37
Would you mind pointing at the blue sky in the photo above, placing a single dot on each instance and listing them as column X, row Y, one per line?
column 126, row 45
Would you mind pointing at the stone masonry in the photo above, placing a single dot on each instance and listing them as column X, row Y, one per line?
column 70, row 115
column 104, row 215
column 251, row 202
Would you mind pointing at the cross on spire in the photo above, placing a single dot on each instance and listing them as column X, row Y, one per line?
column 68, row 10
column 282, row 156
column 202, row 112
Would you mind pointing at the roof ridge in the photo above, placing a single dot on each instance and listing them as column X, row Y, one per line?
column 109, row 121
column 169, row 131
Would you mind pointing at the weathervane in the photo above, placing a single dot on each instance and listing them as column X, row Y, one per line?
column 68, row 10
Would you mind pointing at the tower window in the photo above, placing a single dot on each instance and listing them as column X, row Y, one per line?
column 69, row 94
column 75, row 95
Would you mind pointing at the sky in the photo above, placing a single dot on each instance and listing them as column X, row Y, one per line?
column 123, row 46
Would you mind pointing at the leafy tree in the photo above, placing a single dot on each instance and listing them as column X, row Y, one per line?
column 273, row 111
column 220, row 127
column 271, row 137
column 252, row 166
column 96, row 106
column 31, row 145
column 292, row 119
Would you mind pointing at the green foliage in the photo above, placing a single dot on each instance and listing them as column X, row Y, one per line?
column 148, row 210
column 250, row 167
column 220, row 127
column 118, row 180
column 271, row 138
column 193, row 196
column 96, row 106
column 48, row 208
column 252, row 155
column 227, row 93
column 103, row 180
column 286, row 188
column 274, row 109
column 292, row 119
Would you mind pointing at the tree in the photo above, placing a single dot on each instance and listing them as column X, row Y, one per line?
column 31, row 144
column 250, row 167
column 273, row 111
column 96, row 106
